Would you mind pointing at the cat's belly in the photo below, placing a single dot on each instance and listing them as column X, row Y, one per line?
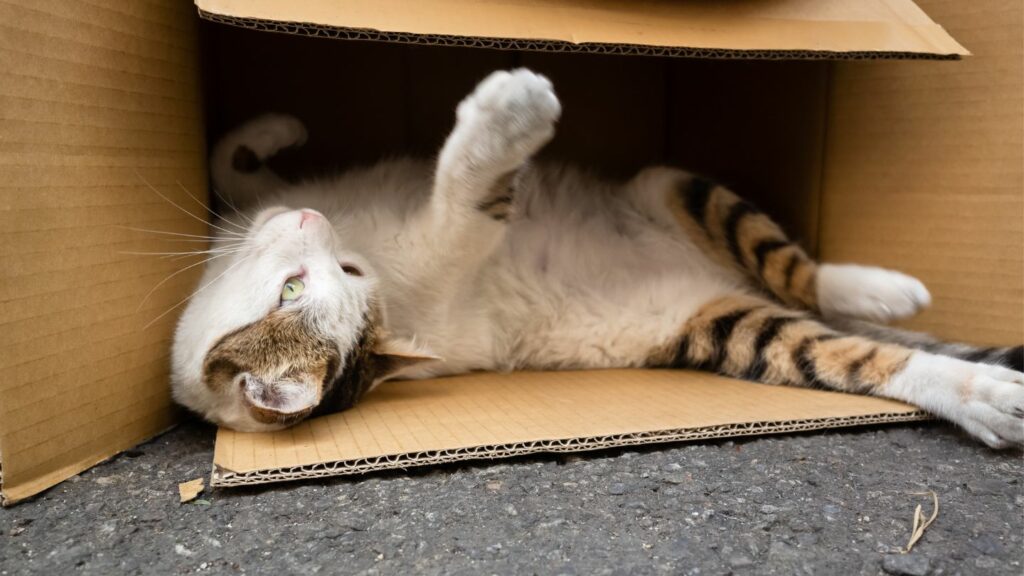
column 603, row 293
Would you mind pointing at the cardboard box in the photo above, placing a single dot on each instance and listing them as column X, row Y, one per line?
column 913, row 165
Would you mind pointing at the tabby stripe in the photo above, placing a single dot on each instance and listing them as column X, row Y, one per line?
column 854, row 368
column 721, row 330
column 981, row 354
column 764, row 248
column 769, row 331
column 681, row 358
column 737, row 213
column 697, row 196
column 488, row 204
column 1014, row 358
column 794, row 261
column 805, row 363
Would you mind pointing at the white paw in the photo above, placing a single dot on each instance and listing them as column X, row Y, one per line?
column 987, row 401
column 269, row 133
column 869, row 293
column 994, row 410
column 510, row 115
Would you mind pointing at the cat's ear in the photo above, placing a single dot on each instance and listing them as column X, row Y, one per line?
column 284, row 398
column 394, row 355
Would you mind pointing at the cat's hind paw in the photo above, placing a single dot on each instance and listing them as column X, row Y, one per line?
column 994, row 407
column 869, row 293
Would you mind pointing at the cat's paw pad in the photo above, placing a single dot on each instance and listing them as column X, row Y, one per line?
column 269, row 133
column 512, row 114
column 869, row 293
column 993, row 407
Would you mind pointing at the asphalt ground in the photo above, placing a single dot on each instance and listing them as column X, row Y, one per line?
column 818, row 503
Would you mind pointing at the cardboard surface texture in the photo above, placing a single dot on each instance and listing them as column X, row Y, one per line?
column 744, row 29
column 481, row 416
column 913, row 165
column 924, row 173
column 94, row 99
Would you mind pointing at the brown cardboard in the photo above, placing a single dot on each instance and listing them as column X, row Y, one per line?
column 99, row 97
column 92, row 95
column 743, row 29
column 484, row 416
column 924, row 173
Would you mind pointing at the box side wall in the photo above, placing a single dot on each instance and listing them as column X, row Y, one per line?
column 100, row 101
column 755, row 126
column 925, row 172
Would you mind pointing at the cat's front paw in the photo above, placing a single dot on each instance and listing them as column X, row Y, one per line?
column 869, row 293
column 510, row 116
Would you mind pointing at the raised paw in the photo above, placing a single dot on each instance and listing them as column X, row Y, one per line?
column 869, row 293
column 266, row 135
column 509, row 117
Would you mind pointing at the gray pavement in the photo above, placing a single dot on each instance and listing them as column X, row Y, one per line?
column 824, row 503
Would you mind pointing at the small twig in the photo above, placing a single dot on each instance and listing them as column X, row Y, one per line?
column 920, row 524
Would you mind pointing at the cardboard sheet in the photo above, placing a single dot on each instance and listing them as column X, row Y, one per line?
column 94, row 98
column 487, row 416
column 924, row 172
column 743, row 28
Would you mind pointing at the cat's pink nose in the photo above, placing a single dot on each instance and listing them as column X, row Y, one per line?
column 308, row 216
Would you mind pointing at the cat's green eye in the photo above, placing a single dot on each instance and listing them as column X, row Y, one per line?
column 292, row 289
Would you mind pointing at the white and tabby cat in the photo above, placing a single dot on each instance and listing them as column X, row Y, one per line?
column 485, row 262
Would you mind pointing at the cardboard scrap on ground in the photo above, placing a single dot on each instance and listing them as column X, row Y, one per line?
column 188, row 491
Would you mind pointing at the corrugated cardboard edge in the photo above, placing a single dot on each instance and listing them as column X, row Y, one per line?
column 44, row 483
column 222, row 477
column 538, row 45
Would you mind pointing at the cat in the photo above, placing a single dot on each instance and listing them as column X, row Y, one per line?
column 486, row 261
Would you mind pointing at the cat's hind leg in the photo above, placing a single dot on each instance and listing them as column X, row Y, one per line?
column 752, row 338
column 741, row 236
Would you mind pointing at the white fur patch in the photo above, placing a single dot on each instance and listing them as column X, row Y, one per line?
column 868, row 292
column 987, row 401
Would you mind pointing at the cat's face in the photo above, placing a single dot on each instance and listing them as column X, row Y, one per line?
column 284, row 324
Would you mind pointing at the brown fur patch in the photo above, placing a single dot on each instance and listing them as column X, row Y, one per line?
column 888, row 361
column 278, row 347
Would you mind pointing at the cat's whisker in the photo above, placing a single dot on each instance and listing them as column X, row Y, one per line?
column 231, row 205
column 185, row 253
column 207, row 208
column 168, row 233
column 190, row 296
column 176, row 205
column 172, row 275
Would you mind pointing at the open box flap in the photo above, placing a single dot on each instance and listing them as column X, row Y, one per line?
column 487, row 416
column 739, row 28
column 96, row 103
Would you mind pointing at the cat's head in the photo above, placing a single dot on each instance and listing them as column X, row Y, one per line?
column 284, row 324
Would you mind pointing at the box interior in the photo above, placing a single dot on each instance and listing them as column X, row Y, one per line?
column 105, row 106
